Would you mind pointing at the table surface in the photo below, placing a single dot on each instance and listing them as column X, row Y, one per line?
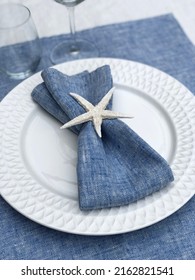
column 51, row 18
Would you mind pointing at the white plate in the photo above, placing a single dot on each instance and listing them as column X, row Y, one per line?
column 37, row 159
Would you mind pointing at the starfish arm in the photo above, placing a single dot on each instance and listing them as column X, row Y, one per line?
column 107, row 114
column 82, row 101
column 78, row 120
column 105, row 100
column 97, row 122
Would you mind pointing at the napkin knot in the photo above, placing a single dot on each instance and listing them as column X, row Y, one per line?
column 94, row 113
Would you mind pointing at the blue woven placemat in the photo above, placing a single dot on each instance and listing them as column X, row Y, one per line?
column 159, row 42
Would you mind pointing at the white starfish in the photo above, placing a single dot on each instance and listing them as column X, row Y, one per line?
column 96, row 114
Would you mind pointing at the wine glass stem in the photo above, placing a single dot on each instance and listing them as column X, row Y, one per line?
column 71, row 10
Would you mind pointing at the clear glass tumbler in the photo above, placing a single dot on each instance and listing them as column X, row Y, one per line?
column 20, row 50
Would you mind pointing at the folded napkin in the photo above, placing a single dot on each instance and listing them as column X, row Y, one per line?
column 115, row 169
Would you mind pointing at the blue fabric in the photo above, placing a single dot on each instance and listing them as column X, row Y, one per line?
column 116, row 169
column 161, row 43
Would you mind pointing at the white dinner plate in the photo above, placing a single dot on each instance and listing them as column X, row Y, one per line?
column 38, row 160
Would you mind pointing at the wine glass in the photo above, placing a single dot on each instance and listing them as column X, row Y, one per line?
column 73, row 47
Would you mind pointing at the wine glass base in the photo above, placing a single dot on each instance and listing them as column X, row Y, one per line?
column 70, row 50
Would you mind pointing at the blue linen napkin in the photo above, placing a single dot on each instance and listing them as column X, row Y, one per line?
column 114, row 170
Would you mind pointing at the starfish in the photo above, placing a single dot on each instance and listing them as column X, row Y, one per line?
column 96, row 114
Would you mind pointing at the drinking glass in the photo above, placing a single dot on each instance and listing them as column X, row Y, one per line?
column 20, row 50
column 73, row 47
